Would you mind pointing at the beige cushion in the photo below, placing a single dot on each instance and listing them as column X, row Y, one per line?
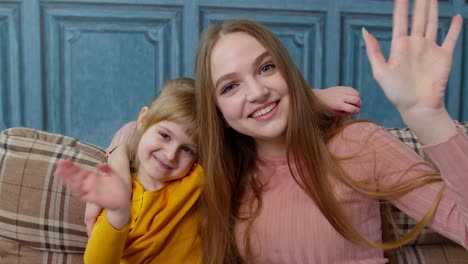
column 431, row 254
column 16, row 252
column 36, row 210
column 40, row 222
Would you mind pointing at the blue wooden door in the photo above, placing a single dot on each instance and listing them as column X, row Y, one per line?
column 85, row 67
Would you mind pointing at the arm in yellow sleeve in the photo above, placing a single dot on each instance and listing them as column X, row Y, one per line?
column 106, row 244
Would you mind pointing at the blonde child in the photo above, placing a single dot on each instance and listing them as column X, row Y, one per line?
column 153, row 218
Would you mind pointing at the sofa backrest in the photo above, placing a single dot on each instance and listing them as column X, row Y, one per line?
column 42, row 222
column 36, row 210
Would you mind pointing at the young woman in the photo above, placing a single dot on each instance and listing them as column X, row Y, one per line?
column 153, row 218
column 289, row 181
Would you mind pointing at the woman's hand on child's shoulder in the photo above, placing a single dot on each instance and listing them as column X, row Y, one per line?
column 340, row 98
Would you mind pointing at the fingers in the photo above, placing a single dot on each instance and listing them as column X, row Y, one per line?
column 400, row 18
column 420, row 17
column 347, row 90
column 104, row 167
column 354, row 100
column 78, row 180
column 352, row 104
column 432, row 23
column 374, row 53
column 346, row 99
column 66, row 170
column 424, row 22
column 350, row 109
column 452, row 36
column 64, row 166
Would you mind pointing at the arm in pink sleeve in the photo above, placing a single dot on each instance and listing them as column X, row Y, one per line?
column 395, row 161
column 123, row 135
column 451, row 158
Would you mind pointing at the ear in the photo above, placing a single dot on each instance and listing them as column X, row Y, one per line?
column 141, row 119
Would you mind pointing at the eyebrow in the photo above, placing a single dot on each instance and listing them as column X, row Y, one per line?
column 257, row 61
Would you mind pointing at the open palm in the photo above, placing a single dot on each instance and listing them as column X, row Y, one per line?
column 107, row 190
column 417, row 71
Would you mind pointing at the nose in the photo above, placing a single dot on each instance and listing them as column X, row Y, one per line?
column 256, row 90
column 171, row 152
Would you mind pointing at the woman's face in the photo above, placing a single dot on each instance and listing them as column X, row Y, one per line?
column 250, row 91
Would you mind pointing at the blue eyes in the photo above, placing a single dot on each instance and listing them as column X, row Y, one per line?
column 263, row 70
column 228, row 88
column 267, row 68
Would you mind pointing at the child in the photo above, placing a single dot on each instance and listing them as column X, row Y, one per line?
column 153, row 218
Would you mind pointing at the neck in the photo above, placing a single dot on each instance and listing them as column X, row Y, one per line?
column 147, row 183
column 275, row 148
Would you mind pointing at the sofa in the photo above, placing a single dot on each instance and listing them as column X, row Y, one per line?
column 41, row 222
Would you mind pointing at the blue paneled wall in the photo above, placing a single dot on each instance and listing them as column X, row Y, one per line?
column 85, row 67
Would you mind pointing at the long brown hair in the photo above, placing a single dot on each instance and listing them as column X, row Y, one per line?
column 228, row 157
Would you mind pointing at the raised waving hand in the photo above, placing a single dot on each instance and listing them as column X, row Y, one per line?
column 417, row 71
column 107, row 190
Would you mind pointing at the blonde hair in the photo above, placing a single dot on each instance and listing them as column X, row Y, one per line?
column 175, row 102
column 227, row 178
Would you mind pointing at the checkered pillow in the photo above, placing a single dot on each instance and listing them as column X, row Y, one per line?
column 403, row 222
column 410, row 139
column 428, row 240
column 36, row 210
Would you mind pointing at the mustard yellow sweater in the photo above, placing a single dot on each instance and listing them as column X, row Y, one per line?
column 163, row 227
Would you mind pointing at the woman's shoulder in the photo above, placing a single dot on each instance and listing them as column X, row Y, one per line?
column 354, row 135
column 359, row 130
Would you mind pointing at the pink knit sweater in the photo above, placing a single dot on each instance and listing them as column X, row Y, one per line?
column 291, row 229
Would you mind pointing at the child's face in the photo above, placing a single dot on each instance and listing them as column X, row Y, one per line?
column 166, row 153
column 250, row 91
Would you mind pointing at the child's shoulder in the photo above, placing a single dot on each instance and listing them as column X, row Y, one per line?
column 194, row 176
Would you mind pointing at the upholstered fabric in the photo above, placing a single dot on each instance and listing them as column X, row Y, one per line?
column 36, row 210
column 41, row 222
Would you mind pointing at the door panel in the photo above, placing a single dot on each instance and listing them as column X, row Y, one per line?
column 10, row 102
column 85, row 67
column 104, row 63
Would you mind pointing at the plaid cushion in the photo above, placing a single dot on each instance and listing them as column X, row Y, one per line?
column 14, row 252
column 431, row 254
column 420, row 246
column 37, row 211
column 410, row 139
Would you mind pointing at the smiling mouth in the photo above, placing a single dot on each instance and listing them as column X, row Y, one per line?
column 162, row 164
column 265, row 110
